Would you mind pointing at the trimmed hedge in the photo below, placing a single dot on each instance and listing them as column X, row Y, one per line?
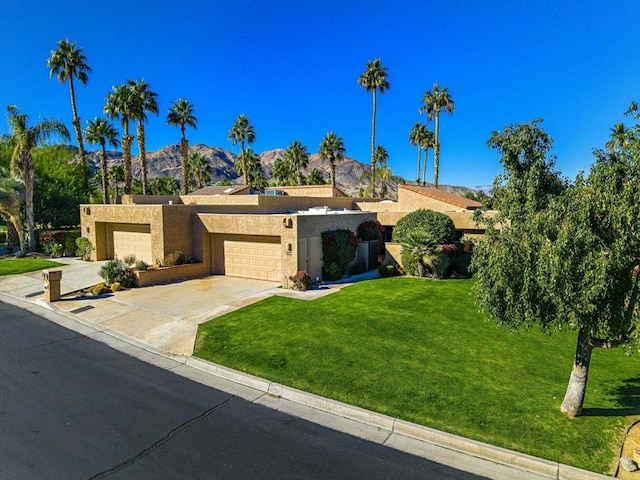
column 437, row 226
column 338, row 250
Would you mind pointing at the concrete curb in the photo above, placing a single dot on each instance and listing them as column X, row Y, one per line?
column 393, row 426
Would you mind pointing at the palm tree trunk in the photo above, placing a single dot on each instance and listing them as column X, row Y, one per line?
column 436, row 151
column 105, row 181
column 78, row 130
column 299, row 170
column 245, row 166
column 574, row 398
column 184, row 151
column 28, row 177
column 419, row 163
column 14, row 227
column 127, row 140
column 424, row 173
column 143, row 156
column 333, row 172
column 373, row 145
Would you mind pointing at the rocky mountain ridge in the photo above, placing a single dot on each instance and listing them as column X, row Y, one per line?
column 166, row 162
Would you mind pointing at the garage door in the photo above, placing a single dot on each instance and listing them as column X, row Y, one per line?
column 132, row 240
column 261, row 259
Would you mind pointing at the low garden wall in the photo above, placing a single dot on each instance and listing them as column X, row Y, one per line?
column 394, row 253
column 160, row 275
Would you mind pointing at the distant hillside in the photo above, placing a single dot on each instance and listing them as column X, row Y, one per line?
column 166, row 162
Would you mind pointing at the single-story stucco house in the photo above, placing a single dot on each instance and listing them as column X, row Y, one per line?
column 233, row 232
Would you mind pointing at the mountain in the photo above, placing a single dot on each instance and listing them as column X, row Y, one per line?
column 166, row 162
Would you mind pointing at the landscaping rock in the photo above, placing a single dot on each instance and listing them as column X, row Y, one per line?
column 628, row 464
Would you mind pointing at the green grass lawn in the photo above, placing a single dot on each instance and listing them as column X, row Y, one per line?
column 11, row 266
column 418, row 350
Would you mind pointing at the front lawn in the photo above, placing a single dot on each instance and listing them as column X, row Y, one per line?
column 11, row 266
column 418, row 350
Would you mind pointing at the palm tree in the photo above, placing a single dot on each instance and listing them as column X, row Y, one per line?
column 433, row 102
column 116, row 176
column 416, row 138
column 181, row 114
column 381, row 156
column 68, row 62
column 427, row 143
column 283, row 172
column 384, row 175
column 145, row 101
column 620, row 138
column 332, row 149
column 374, row 79
column 101, row 132
column 297, row 155
column 199, row 170
column 121, row 103
column 11, row 199
column 242, row 132
column 314, row 177
column 249, row 162
column 24, row 139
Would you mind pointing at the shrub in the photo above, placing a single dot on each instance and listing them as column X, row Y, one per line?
column 99, row 289
column 70, row 242
column 387, row 270
column 141, row 265
column 129, row 259
column 3, row 237
column 300, row 281
column 173, row 259
column 338, row 249
column 370, row 230
column 84, row 248
column 116, row 271
column 116, row 287
column 435, row 225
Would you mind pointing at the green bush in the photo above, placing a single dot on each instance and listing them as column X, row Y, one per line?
column 371, row 230
column 116, row 271
column 116, row 287
column 338, row 249
column 438, row 227
column 141, row 265
column 84, row 248
column 387, row 270
column 3, row 237
column 129, row 260
column 173, row 259
column 70, row 242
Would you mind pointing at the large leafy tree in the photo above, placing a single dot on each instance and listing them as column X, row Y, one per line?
column 101, row 132
column 433, row 102
column 145, row 101
column 199, row 170
column 121, row 103
column 69, row 63
column 565, row 257
column 332, row 150
column 298, row 157
column 240, row 133
column 374, row 79
column 25, row 138
column 181, row 114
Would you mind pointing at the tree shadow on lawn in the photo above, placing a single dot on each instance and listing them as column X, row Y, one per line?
column 627, row 397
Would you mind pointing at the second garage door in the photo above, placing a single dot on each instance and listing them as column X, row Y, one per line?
column 130, row 239
column 260, row 259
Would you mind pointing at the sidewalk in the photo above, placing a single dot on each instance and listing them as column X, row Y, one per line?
column 158, row 325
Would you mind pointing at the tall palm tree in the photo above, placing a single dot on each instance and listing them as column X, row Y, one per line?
column 249, row 162
column 416, row 138
column 433, row 102
column 242, row 131
column 181, row 114
column 385, row 175
column 24, row 138
column 374, row 79
column 199, row 170
column 121, row 103
column 145, row 101
column 68, row 62
column 297, row 155
column 101, row 132
column 620, row 138
column 332, row 149
column 283, row 172
column 11, row 199
column 380, row 157
column 427, row 142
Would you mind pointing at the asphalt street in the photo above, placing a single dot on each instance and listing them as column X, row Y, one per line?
column 73, row 408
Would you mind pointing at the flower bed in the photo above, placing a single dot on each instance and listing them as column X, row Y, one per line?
column 160, row 275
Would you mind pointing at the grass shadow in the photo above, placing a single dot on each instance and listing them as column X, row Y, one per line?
column 626, row 395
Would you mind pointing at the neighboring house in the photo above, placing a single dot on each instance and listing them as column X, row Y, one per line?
column 231, row 232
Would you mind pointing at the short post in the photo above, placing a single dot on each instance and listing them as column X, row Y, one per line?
column 52, row 285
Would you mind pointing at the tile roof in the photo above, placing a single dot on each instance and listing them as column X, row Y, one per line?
column 451, row 198
column 222, row 190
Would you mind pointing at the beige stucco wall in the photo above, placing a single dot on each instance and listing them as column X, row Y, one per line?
column 311, row 191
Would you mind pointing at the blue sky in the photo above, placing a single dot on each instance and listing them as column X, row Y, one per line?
column 292, row 68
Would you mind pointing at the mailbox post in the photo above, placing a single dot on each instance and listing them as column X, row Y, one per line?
column 52, row 285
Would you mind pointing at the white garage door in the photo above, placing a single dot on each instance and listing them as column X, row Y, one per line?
column 132, row 240
column 261, row 260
